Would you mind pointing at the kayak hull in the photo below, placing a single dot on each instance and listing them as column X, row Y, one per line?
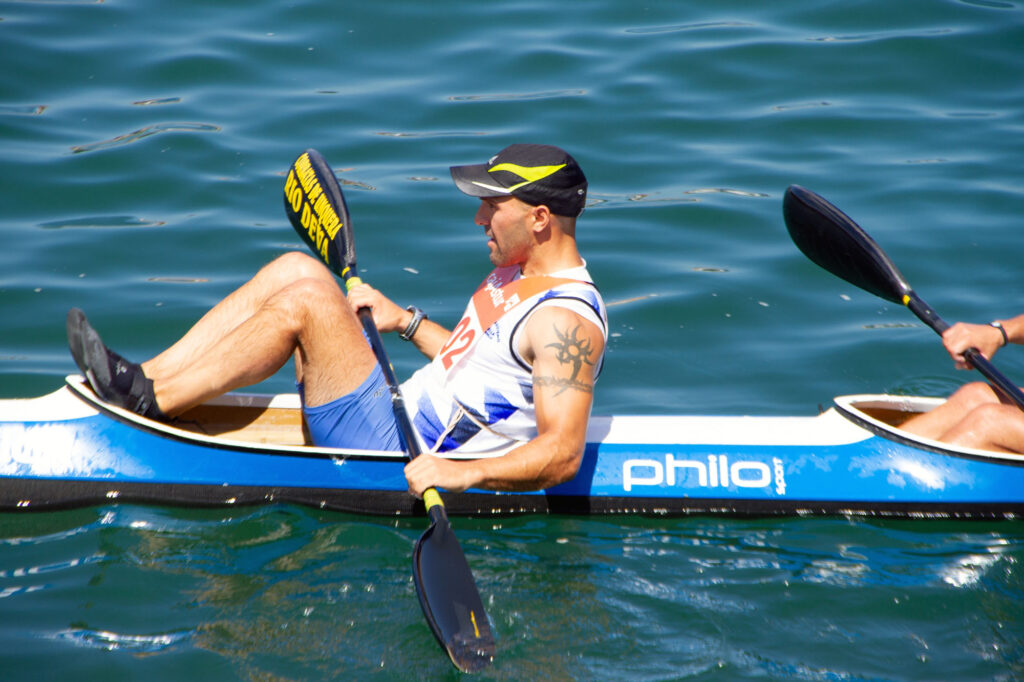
column 67, row 449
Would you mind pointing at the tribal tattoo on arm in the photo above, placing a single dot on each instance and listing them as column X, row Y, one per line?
column 573, row 353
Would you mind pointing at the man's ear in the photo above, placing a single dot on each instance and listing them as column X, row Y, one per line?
column 541, row 217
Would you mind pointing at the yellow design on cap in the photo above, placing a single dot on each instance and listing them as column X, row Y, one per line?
column 528, row 173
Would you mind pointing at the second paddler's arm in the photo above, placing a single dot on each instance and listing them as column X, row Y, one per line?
column 987, row 338
column 391, row 317
column 564, row 350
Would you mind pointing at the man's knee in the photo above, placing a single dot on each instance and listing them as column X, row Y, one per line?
column 295, row 265
column 976, row 394
column 991, row 419
column 311, row 296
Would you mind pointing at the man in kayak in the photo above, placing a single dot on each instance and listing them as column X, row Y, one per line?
column 976, row 415
column 514, row 378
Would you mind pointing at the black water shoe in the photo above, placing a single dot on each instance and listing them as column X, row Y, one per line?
column 113, row 378
column 76, row 322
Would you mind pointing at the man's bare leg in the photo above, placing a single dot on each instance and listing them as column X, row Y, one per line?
column 998, row 427
column 935, row 423
column 293, row 305
column 231, row 312
column 309, row 317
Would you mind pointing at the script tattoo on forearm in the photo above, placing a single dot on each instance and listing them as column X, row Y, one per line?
column 572, row 352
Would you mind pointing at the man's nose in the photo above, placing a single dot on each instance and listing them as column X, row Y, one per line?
column 482, row 218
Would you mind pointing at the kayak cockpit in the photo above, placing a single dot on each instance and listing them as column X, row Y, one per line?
column 884, row 414
column 263, row 420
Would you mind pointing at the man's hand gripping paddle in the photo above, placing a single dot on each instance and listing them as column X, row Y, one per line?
column 448, row 594
column 833, row 241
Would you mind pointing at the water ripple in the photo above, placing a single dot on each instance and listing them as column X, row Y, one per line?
column 801, row 105
column 454, row 133
column 879, row 35
column 21, row 109
column 115, row 641
column 726, row 190
column 102, row 221
column 51, row 567
column 156, row 101
column 689, row 27
column 143, row 133
column 514, row 97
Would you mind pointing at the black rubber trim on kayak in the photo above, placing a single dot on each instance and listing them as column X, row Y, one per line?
column 26, row 494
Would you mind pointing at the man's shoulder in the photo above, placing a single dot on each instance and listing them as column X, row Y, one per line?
column 554, row 326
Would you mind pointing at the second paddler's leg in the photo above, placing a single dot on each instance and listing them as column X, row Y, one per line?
column 976, row 416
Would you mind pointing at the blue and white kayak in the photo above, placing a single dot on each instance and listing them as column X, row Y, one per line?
column 69, row 448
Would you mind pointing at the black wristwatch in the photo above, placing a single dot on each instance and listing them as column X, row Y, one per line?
column 414, row 324
column 1002, row 330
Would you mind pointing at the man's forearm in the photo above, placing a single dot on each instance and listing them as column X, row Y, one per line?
column 532, row 466
column 536, row 465
column 429, row 337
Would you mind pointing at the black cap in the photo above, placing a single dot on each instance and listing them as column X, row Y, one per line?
column 534, row 173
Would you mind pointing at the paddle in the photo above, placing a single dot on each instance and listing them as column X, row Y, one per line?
column 447, row 592
column 832, row 240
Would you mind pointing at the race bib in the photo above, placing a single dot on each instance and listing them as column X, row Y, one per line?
column 499, row 293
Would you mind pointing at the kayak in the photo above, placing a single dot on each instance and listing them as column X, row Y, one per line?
column 69, row 448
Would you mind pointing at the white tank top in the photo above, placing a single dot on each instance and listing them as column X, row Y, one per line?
column 476, row 395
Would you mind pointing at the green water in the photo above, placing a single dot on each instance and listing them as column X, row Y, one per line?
column 142, row 151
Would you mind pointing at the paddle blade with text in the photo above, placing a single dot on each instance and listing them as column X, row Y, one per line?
column 316, row 208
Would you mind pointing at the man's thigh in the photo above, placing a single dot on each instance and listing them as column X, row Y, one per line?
column 333, row 357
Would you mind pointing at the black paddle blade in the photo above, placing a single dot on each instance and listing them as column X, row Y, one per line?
column 316, row 208
column 449, row 596
column 833, row 241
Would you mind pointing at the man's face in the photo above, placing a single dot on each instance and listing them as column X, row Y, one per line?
column 505, row 222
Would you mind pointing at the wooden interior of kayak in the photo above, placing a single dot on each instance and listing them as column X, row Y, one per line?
column 251, row 424
column 891, row 416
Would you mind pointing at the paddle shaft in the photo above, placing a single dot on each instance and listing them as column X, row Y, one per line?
column 431, row 498
column 466, row 634
column 972, row 355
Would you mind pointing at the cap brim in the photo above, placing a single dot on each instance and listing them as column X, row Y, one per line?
column 474, row 181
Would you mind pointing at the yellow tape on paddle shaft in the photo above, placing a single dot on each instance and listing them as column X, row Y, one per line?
column 350, row 282
column 906, row 299
column 431, row 498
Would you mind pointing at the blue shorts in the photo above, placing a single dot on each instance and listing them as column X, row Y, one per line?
column 362, row 419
